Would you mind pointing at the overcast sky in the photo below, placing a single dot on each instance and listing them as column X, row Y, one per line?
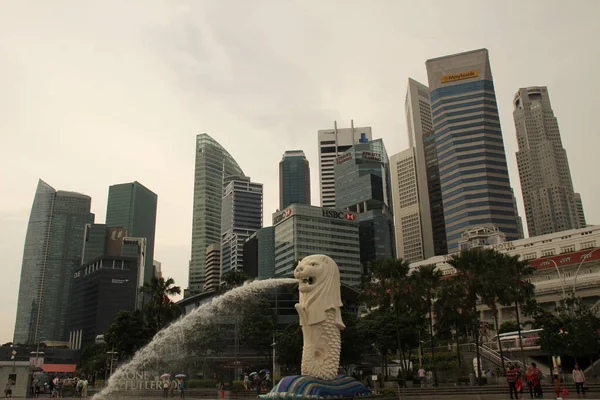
column 105, row 92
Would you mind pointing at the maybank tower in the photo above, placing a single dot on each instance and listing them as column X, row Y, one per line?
column 474, row 178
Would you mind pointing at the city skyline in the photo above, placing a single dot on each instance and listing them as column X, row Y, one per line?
column 153, row 96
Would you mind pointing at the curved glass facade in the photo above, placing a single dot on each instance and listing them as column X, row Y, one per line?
column 52, row 253
column 213, row 163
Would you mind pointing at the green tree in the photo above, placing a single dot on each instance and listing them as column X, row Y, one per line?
column 160, row 310
column 354, row 343
column 471, row 266
column 93, row 359
column 572, row 330
column 234, row 278
column 128, row 333
column 256, row 324
column 453, row 311
column 289, row 348
column 395, row 303
column 426, row 281
column 508, row 326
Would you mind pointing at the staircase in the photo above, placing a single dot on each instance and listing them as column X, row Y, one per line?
column 493, row 356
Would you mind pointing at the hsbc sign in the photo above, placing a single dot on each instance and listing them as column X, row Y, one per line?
column 280, row 217
column 339, row 215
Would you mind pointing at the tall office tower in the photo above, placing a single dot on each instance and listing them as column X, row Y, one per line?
column 580, row 214
column 405, row 199
column 241, row 216
column 302, row 230
column 294, row 179
column 421, row 137
column 213, row 162
column 362, row 185
column 51, row 255
column 213, row 267
column 332, row 143
column 550, row 204
column 473, row 173
column 132, row 206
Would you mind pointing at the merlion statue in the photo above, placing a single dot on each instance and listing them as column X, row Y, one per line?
column 320, row 317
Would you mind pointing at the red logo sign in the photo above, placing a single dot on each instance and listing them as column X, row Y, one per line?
column 350, row 217
column 287, row 213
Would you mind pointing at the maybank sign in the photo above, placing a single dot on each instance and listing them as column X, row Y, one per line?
column 460, row 76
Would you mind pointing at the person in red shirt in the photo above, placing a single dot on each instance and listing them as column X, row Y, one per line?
column 511, row 378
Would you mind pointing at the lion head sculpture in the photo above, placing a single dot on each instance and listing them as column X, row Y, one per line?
column 319, row 286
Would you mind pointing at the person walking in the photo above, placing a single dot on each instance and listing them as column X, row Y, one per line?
column 174, row 386
column 532, row 376
column 246, row 381
column 511, row 379
column 579, row 379
column 166, row 386
column 84, row 387
column 8, row 389
column 421, row 375
column 181, row 389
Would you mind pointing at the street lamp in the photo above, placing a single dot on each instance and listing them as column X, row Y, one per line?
column 273, row 345
column 562, row 283
column 112, row 354
column 583, row 258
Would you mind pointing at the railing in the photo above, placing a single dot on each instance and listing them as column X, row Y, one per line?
column 492, row 355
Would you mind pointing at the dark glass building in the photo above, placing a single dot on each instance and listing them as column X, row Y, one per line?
column 133, row 206
column 51, row 255
column 294, row 179
column 213, row 162
column 241, row 216
column 259, row 254
column 101, row 288
column 362, row 185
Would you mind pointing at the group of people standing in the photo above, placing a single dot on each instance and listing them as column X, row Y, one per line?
column 532, row 378
column 175, row 384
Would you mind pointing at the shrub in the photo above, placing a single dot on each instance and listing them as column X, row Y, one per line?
column 387, row 392
column 201, row 383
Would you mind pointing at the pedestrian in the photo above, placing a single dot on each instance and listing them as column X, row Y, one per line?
column 532, row 378
column 511, row 379
column 166, row 386
column 246, row 381
column 79, row 387
column 257, row 382
column 84, row 386
column 8, row 389
column 181, row 389
column 579, row 379
column 173, row 387
column 421, row 375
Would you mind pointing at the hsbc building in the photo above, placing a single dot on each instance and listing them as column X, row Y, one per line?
column 302, row 230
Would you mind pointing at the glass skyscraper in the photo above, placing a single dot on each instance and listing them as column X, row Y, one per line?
column 362, row 185
column 133, row 206
column 213, row 163
column 241, row 216
column 294, row 179
column 51, row 255
column 473, row 176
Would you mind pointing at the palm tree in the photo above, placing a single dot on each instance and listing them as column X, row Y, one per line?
column 520, row 291
column 427, row 281
column 452, row 310
column 471, row 266
column 160, row 307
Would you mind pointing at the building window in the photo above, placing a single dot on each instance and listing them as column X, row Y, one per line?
column 567, row 249
column 546, row 253
column 548, row 277
column 588, row 245
column 567, row 274
column 530, row 256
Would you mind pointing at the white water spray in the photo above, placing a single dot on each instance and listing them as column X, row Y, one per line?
column 163, row 341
